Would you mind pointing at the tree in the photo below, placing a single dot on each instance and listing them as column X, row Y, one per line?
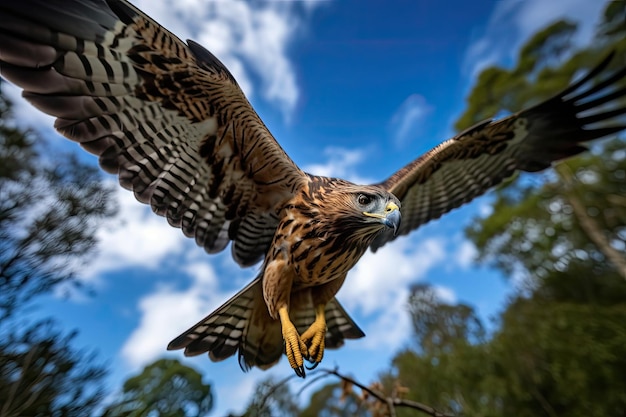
column 576, row 218
column 272, row 398
column 47, row 228
column 445, row 367
column 560, row 346
column 50, row 207
column 165, row 388
column 42, row 374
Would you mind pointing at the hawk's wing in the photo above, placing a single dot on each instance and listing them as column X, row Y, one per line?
column 469, row 164
column 166, row 116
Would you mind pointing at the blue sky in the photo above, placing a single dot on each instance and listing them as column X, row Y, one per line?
column 354, row 89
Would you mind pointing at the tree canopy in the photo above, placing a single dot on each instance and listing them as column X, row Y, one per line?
column 50, row 206
column 165, row 388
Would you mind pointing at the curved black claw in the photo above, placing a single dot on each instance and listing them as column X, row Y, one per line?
column 313, row 365
column 300, row 371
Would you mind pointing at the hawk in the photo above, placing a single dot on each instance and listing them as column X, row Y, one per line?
column 170, row 120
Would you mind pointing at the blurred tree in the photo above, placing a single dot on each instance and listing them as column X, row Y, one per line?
column 272, row 398
column 447, row 365
column 165, row 388
column 559, row 350
column 336, row 400
column 50, row 206
column 42, row 374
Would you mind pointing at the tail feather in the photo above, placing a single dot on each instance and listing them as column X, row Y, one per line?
column 240, row 324
column 243, row 324
column 339, row 325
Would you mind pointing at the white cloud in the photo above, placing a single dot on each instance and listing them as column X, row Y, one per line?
column 466, row 254
column 379, row 287
column 167, row 312
column 251, row 39
column 135, row 237
column 174, row 310
column 513, row 22
column 445, row 294
column 374, row 283
column 408, row 118
column 341, row 163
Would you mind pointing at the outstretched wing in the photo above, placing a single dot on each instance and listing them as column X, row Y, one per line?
column 166, row 116
column 469, row 164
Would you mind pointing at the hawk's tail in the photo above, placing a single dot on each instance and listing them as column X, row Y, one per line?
column 243, row 324
column 339, row 325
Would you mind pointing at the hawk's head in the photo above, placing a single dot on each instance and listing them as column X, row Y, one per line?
column 358, row 211
column 379, row 207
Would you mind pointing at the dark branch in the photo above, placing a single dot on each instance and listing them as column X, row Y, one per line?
column 391, row 402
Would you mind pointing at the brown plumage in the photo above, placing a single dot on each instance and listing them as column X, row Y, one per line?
column 169, row 119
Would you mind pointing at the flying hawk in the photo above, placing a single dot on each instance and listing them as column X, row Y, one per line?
column 170, row 120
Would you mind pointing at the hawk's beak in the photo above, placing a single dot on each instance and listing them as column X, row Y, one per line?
column 392, row 217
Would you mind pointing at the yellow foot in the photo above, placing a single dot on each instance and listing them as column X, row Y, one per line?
column 295, row 349
column 315, row 336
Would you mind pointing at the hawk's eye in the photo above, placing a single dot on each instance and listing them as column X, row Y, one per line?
column 364, row 200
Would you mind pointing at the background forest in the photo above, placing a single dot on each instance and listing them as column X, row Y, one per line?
column 557, row 349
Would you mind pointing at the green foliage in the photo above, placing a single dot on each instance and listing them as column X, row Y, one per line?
column 614, row 20
column 50, row 206
column 559, row 348
column 536, row 233
column 49, row 212
column 165, row 388
column 438, row 327
column 335, row 400
column 446, row 367
column 42, row 374
column 272, row 398
column 560, row 359
column 545, row 47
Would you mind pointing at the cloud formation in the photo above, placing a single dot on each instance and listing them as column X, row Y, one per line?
column 407, row 120
column 340, row 163
column 251, row 38
column 134, row 237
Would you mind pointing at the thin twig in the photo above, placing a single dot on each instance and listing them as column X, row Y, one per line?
column 273, row 389
column 391, row 402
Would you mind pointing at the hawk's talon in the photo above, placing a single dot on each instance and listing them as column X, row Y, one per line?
column 295, row 349
column 300, row 371
column 315, row 337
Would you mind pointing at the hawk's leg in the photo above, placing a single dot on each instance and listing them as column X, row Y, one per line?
column 277, row 281
column 314, row 337
column 295, row 349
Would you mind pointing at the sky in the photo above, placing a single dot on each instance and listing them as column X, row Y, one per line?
column 354, row 89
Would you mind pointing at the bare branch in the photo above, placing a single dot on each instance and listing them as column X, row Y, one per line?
column 392, row 402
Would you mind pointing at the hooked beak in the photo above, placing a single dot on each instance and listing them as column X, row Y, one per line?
column 392, row 217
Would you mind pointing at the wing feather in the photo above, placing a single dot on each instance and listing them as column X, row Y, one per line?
column 167, row 117
column 466, row 166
